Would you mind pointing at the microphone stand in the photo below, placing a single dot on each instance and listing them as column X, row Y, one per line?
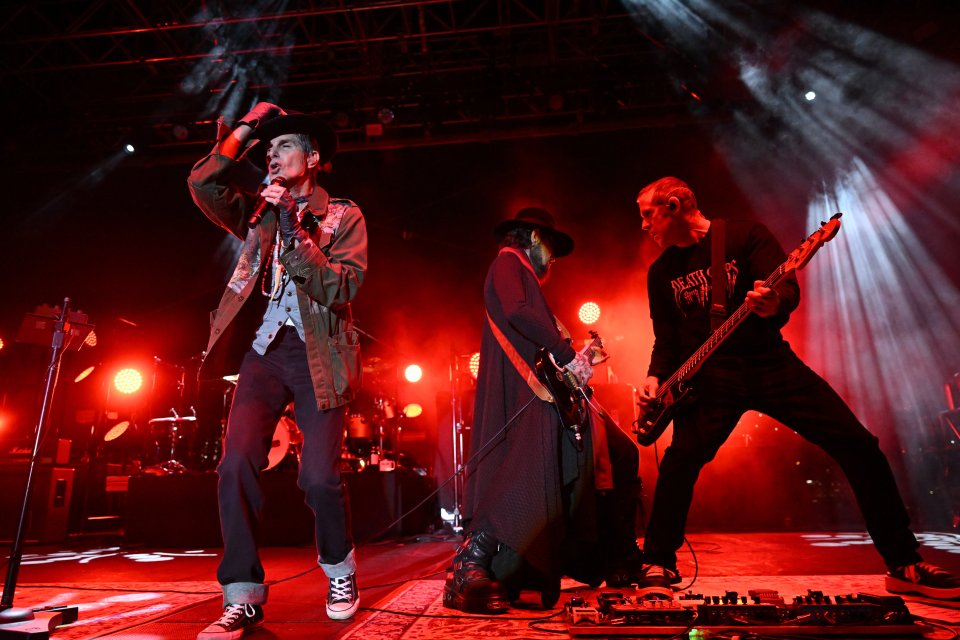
column 11, row 618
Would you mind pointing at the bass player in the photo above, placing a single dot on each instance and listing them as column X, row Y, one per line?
column 755, row 368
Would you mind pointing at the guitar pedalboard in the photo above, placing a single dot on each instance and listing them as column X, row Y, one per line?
column 760, row 611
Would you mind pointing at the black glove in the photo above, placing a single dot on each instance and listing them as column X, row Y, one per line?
column 290, row 228
column 260, row 113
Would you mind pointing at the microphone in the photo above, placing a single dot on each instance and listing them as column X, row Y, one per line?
column 262, row 205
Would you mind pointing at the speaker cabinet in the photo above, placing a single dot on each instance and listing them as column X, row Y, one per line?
column 50, row 498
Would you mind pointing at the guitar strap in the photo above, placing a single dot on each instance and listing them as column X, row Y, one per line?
column 520, row 364
column 718, row 275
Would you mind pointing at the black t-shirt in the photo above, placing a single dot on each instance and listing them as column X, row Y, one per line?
column 679, row 286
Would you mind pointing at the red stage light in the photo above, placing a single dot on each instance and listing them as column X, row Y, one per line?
column 83, row 374
column 412, row 410
column 128, row 381
column 474, row 364
column 91, row 339
column 413, row 373
column 1, row 343
column 589, row 312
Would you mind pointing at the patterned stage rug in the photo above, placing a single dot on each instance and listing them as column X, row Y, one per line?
column 415, row 611
column 109, row 607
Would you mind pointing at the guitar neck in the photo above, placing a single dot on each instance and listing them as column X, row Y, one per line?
column 694, row 362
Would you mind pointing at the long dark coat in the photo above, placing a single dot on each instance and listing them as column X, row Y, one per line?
column 525, row 480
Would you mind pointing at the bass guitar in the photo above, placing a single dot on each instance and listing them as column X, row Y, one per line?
column 568, row 394
column 675, row 389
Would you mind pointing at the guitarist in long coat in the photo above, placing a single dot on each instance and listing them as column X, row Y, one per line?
column 529, row 483
column 755, row 368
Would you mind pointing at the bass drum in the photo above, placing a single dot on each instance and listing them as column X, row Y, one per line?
column 287, row 440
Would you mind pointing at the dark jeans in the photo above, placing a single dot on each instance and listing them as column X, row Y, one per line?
column 783, row 387
column 266, row 385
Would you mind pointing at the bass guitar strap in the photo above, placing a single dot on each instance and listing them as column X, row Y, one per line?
column 718, row 275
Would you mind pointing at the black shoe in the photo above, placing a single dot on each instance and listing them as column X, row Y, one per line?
column 654, row 575
column 236, row 620
column 924, row 579
column 343, row 599
column 470, row 584
column 624, row 568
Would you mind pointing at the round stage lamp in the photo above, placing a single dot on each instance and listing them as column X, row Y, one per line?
column 83, row 375
column 128, row 381
column 413, row 373
column 589, row 312
column 412, row 410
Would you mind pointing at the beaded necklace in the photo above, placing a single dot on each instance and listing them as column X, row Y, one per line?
column 275, row 271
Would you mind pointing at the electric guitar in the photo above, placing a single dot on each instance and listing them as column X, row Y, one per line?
column 675, row 389
column 568, row 395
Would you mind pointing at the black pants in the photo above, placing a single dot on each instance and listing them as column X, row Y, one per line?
column 784, row 388
column 265, row 386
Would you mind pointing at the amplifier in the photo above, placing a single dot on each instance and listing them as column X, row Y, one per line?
column 49, row 501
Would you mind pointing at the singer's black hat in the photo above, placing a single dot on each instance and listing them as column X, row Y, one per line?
column 293, row 122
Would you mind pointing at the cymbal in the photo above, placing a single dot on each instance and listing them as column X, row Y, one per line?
column 377, row 365
column 172, row 419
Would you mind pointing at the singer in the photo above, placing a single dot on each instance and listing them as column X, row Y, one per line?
column 284, row 324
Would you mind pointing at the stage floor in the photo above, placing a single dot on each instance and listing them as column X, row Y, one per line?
column 140, row 593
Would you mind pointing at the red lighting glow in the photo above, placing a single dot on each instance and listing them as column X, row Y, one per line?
column 413, row 373
column 412, row 410
column 1, row 343
column 589, row 312
column 474, row 364
column 128, row 381
column 83, row 374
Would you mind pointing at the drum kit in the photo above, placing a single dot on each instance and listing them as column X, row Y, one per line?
column 372, row 428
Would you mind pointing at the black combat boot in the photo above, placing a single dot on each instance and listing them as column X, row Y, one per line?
column 470, row 585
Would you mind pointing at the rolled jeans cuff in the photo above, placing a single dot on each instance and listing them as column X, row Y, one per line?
column 244, row 593
column 341, row 569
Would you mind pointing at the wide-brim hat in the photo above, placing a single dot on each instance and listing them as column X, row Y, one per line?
column 542, row 221
column 293, row 122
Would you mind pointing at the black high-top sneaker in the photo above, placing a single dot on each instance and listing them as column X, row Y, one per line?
column 471, row 586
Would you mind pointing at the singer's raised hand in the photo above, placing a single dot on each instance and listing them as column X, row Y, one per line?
column 261, row 112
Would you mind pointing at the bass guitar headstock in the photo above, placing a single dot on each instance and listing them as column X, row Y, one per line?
column 800, row 256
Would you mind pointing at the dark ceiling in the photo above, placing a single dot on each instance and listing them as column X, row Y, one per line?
column 100, row 73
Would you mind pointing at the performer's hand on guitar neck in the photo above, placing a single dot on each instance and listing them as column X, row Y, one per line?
column 648, row 392
column 580, row 367
column 763, row 301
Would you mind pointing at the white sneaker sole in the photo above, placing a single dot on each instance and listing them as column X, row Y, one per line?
column 343, row 614
column 895, row 585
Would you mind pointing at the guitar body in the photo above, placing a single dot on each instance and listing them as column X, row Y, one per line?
column 658, row 415
column 566, row 392
column 569, row 397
